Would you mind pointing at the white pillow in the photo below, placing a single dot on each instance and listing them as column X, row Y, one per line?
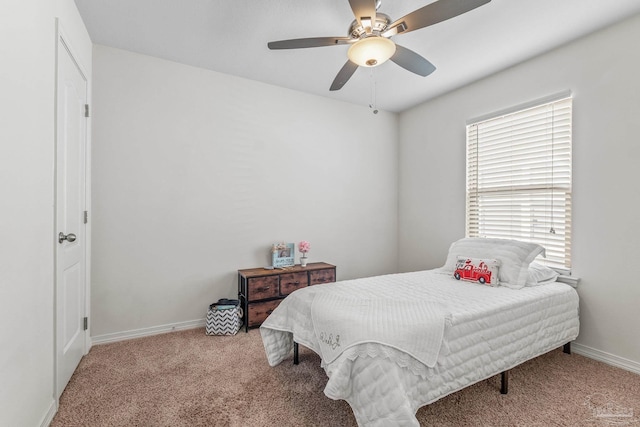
column 541, row 275
column 514, row 256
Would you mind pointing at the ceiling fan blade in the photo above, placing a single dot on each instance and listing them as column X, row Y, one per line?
column 432, row 14
column 344, row 75
column 409, row 60
column 365, row 12
column 309, row 42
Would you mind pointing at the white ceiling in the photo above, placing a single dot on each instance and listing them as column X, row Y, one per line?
column 230, row 36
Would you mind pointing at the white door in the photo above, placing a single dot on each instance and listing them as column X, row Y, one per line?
column 70, row 205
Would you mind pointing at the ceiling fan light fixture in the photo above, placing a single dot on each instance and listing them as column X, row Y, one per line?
column 371, row 51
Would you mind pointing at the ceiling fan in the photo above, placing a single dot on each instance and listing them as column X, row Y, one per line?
column 370, row 36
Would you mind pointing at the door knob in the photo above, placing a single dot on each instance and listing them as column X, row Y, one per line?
column 68, row 237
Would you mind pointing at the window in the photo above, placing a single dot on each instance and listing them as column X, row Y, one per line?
column 519, row 178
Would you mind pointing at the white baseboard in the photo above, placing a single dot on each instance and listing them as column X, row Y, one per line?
column 51, row 412
column 609, row 359
column 145, row 332
column 88, row 345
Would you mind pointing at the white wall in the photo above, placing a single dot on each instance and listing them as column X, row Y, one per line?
column 197, row 173
column 27, row 85
column 602, row 72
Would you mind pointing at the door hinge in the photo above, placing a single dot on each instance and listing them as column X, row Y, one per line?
column 86, row 217
column 86, row 110
column 86, row 323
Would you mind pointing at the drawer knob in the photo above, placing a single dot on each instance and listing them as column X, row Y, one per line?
column 265, row 288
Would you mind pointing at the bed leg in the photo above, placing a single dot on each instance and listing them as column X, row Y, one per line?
column 295, row 353
column 567, row 348
column 504, row 387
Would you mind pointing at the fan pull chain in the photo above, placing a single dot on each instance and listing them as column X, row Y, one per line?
column 372, row 105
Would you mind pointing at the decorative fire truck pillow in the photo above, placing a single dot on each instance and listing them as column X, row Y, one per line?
column 483, row 271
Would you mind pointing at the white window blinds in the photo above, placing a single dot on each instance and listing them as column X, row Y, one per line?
column 519, row 179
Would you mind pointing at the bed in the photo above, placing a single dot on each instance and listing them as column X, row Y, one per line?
column 391, row 344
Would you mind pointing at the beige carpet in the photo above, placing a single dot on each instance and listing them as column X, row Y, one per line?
column 189, row 379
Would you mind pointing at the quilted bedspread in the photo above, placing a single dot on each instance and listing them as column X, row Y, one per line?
column 413, row 326
column 487, row 330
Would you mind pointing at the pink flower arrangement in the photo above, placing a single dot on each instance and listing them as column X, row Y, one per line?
column 304, row 247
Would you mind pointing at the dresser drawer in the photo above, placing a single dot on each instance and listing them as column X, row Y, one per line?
column 258, row 312
column 263, row 287
column 260, row 290
column 318, row 277
column 289, row 282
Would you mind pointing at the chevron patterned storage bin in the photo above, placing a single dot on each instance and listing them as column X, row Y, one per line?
column 223, row 319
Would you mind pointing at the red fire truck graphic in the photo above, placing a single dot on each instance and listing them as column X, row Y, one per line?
column 468, row 271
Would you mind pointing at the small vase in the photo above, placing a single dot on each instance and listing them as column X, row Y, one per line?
column 303, row 261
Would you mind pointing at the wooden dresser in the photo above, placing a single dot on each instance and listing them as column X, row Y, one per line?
column 261, row 290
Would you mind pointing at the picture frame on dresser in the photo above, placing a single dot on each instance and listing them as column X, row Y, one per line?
column 261, row 290
column 283, row 255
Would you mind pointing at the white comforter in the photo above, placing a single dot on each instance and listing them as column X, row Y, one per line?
column 487, row 330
